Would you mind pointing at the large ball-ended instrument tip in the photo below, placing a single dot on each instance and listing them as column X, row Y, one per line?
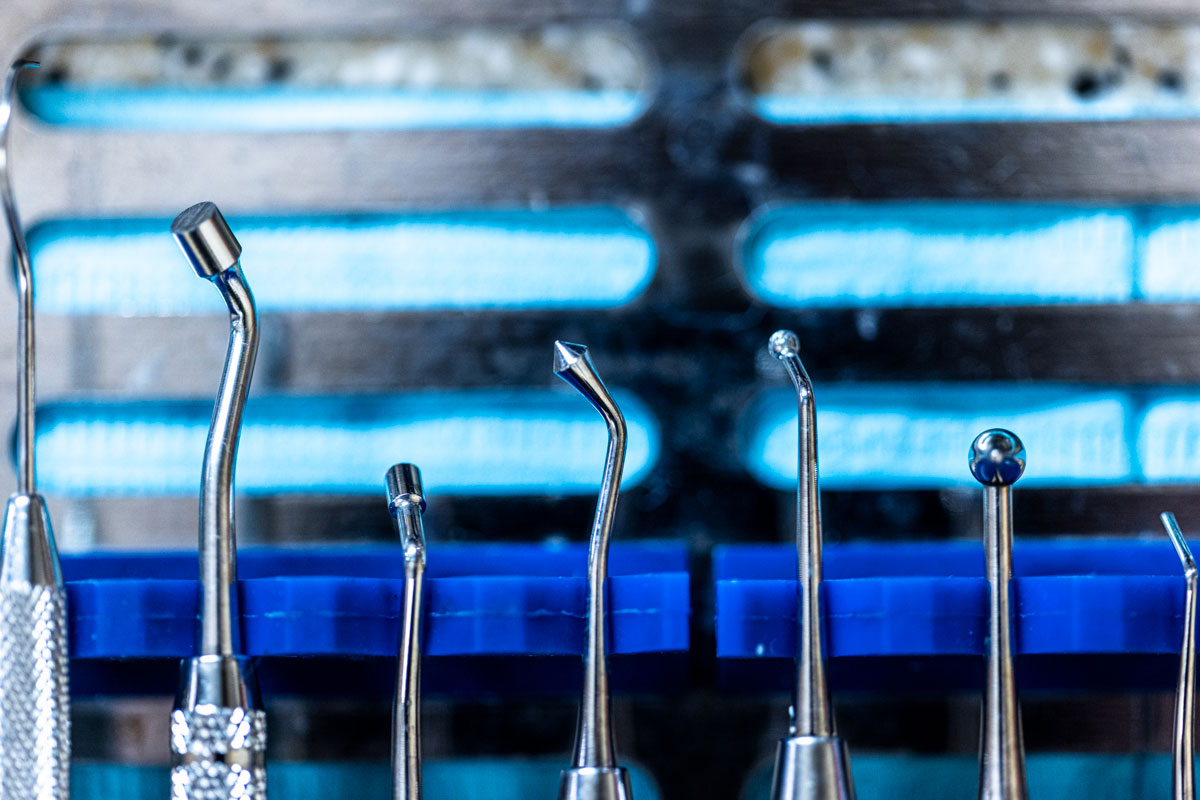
column 997, row 457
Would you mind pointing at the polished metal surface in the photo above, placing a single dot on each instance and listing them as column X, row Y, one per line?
column 595, row 774
column 406, row 503
column 1183, row 734
column 218, row 732
column 997, row 459
column 206, row 240
column 24, row 277
column 35, row 717
column 812, row 763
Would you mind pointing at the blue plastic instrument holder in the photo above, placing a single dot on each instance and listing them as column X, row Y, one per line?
column 313, row 614
column 1090, row 613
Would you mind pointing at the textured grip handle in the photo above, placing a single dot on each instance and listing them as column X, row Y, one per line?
column 35, row 719
column 218, row 754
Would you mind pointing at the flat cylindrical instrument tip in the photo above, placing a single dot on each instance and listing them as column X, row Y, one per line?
column 206, row 240
column 997, row 457
column 404, row 487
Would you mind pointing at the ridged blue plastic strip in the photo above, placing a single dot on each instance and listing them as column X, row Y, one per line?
column 561, row 259
column 344, row 602
column 297, row 109
column 939, row 254
column 466, row 442
column 459, row 779
column 899, row 600
column 890, row 436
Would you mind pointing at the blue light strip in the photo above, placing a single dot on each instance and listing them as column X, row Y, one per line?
column 939, row 254
column 839, row 110
column 916, row 436
column 295, row 109
column 893, row 255
column 563, row 259
column 466, row 443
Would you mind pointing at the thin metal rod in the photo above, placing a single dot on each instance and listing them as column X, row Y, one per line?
column 812, row 711
column 997, row 461
column 25, row 336
column 594, row 743
column 1183, row 748
column 406, row 502
column 218, row 560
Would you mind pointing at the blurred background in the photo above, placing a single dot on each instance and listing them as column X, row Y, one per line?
column 974, row 214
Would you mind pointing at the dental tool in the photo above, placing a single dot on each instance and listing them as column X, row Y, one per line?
column 1183, row 750
column 595, row 774
column 812, row 763
column 218, row 729
column 997, row 460
column 406, row 503
column 35, row 718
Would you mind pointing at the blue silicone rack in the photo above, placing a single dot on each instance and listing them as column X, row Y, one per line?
column 1091, row 614
column 502, row 617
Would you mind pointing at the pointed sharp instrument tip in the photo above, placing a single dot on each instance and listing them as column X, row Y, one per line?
column 1180, row 543
column 567, row 355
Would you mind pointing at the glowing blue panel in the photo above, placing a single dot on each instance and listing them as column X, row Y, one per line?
column 939, row 254
column 1168, row 440
column 294, row 109
column 847, row 109
column 476, row 443
column 1170, row 242
column 564, row 259
column 889, row 436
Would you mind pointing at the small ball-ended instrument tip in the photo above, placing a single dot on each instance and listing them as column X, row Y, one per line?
column 784, row 344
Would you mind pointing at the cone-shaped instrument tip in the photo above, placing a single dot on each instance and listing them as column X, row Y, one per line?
column 567, row 355
column 997, row 457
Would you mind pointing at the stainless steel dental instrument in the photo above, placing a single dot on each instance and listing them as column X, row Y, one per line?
column 1183, row 755
column 595, row 774
column 218, row 730
column 406, row 503
column 35, row 719
column 997, row 460
column 812, row 762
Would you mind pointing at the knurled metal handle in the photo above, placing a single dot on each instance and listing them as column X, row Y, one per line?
column 35, row 718
column 218, row 754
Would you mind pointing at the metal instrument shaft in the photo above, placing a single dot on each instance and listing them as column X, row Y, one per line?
column 812, row 762
column 406, row 503
column 1183, row 742
column 595, row 774
column 218, row 731
column 997, row 460
column 35, row 719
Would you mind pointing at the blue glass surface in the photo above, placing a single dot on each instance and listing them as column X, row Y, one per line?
column 565, row 258
column 466, row 442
